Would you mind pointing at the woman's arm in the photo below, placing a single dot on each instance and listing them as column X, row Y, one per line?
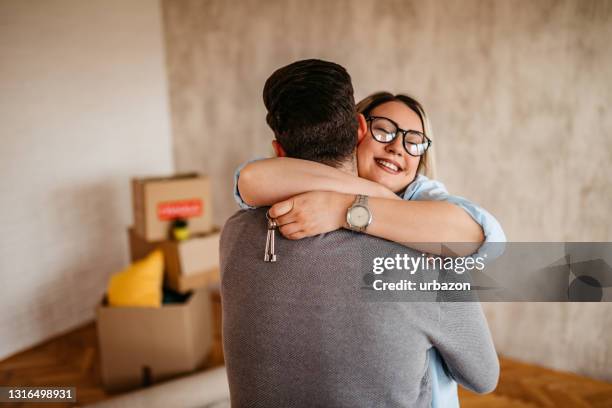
column 268, row 181
column 421, row 224
column 412, row 223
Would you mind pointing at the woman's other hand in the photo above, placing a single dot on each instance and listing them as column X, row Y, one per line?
column 311, row 213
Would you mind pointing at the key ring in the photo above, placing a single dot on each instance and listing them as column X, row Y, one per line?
column 271, row 221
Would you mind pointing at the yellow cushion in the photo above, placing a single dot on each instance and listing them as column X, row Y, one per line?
column 140, row 284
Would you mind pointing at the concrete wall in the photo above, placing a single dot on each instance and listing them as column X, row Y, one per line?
column 83, row 102
column 520, row 94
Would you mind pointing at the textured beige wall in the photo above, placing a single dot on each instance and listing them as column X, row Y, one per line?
column 83, row 107
column 520, row 94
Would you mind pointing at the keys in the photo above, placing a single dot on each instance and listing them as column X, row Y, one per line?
column 270, row 256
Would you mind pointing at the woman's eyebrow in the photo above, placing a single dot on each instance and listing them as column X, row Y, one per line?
column 410, row 130
column 397, row 125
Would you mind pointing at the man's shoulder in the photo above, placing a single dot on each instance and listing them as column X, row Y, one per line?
column 243, row 221
column 250, row 215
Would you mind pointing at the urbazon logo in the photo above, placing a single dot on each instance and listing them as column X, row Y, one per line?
column 170, row 210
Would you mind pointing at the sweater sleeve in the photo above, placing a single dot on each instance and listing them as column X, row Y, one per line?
column 465, row 344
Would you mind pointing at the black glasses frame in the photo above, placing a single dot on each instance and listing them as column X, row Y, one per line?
column 426, row 140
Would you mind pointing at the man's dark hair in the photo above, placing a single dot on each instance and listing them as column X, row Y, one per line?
column 311, row 109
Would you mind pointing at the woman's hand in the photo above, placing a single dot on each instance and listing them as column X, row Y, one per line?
column 311, row 213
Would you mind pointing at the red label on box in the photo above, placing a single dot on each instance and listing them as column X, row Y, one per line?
column 179, row 209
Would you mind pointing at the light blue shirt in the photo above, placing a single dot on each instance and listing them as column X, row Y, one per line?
column 425, row 189
column 237, row 196
column 443, row 386
column 444, row 392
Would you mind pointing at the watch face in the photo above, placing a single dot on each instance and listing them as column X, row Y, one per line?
column 360, row 216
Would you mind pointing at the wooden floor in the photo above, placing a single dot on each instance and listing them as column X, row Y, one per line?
column 72, row 360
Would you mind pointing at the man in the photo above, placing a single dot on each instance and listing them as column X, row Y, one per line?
column 300, row 331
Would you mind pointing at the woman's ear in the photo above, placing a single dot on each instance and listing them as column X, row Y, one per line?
column 278, row 149
column 363, row 127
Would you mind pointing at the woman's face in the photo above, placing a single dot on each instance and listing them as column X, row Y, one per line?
column 388, row 163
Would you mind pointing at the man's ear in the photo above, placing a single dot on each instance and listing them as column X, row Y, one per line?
column 362, row 129
column 278, row 149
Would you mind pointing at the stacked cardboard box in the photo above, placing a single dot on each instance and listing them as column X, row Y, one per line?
column 140, row 346
column 190, row 264
column 159, row 200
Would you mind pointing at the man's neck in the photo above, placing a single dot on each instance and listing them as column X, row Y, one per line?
column 349, row 166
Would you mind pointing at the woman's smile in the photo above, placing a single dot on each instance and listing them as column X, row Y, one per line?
column 390, row 166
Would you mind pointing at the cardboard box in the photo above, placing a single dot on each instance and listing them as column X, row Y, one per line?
column 141, row 346
column 157, row 201
column 189, row 264
column 193, row 263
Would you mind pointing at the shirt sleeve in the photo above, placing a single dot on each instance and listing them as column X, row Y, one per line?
column 237, row 195
column 424, row 189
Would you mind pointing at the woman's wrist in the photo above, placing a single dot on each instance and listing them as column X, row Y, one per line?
column 342, row 203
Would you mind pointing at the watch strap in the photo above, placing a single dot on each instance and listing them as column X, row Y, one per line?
column 361, row 200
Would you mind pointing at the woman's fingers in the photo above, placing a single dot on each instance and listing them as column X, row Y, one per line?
column 286, row 219
column 281, row 208
column 290, row 229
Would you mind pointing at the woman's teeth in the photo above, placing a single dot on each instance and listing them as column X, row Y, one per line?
column 388, row 165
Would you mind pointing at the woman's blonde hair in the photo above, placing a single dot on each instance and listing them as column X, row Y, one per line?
column 366, row 105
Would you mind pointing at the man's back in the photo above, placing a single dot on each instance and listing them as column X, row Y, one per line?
column 300, row 332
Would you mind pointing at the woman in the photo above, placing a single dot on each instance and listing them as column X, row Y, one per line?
column 393, row 158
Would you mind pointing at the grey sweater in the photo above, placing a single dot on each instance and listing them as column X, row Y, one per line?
column 301, row 333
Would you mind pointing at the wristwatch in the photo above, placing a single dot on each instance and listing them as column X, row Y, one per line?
column 358, row 216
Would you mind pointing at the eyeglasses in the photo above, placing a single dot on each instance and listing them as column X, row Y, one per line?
column 384, row 130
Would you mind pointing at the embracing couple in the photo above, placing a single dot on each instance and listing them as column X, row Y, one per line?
column 349, row 181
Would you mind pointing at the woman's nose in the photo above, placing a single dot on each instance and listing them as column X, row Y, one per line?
column 395, row 147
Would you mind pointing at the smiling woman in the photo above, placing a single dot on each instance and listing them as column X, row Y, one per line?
column 388, row 117
column 393, row 158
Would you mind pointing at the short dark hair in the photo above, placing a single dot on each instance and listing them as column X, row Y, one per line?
column 311, row 109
